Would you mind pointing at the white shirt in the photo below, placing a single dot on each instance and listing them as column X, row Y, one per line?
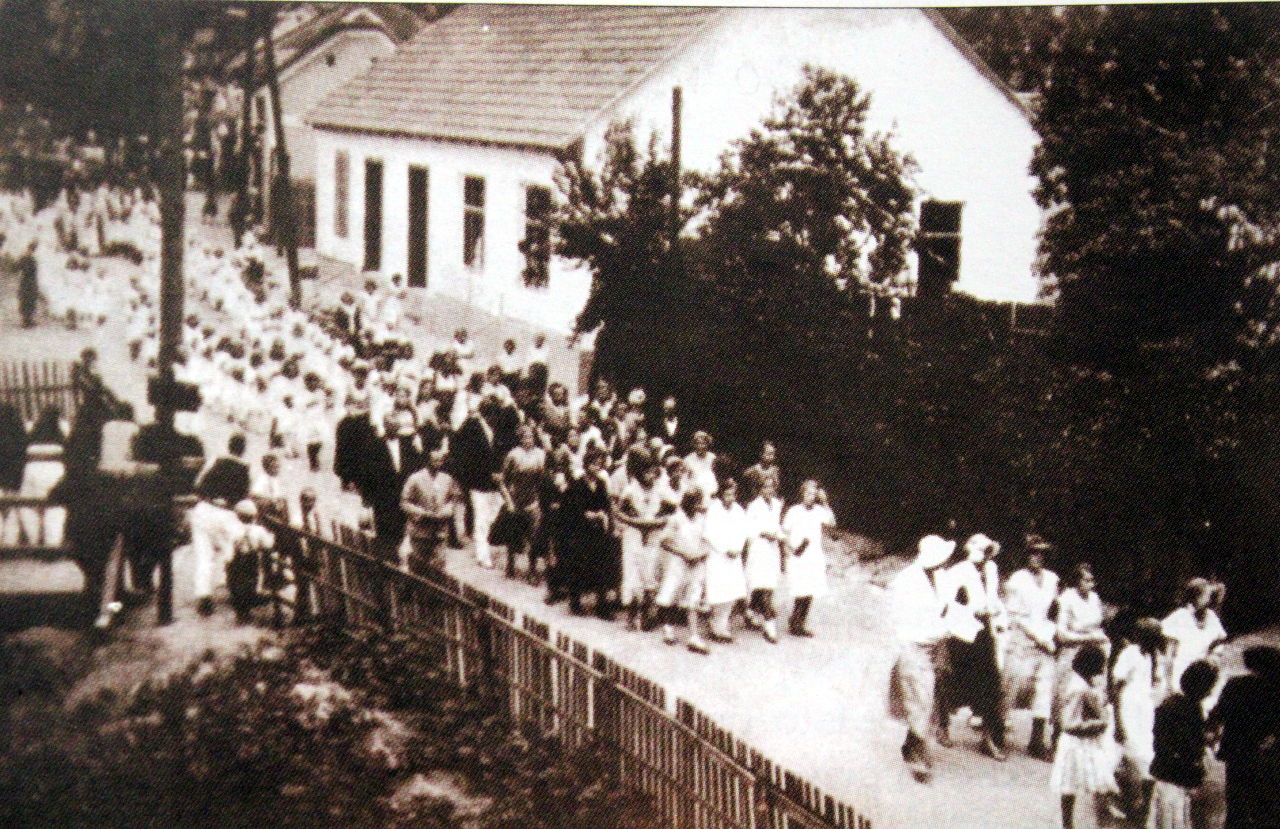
column 725, row 528
column 915, row 607
column 1028, row 599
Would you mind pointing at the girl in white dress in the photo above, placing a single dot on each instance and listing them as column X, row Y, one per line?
column 641, row 514
column 684, row 573
column 1079, row 624
column 765, row 540
column 725, row 530
column 1084, row 764
column 1134, row 684
column 802, row 527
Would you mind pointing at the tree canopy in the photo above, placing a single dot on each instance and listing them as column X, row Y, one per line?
column 1160, row 166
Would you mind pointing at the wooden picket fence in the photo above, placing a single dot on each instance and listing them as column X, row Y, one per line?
column 699, row 775
column 35, row 385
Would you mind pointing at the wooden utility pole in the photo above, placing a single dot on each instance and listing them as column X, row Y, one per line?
column 171, row 180
column 677, row 115
column 281, row 212
column 245, row 165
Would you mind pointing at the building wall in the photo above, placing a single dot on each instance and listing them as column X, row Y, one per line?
column 498, row 285
column 304, row 83
column 971, row 142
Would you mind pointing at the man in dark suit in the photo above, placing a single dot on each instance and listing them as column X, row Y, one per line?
column 226, row 481
column 670, row 426
column 389, row 463
column 474, row 462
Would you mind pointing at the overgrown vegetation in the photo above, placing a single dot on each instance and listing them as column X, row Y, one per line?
column 1138, row 434
column 298, row 736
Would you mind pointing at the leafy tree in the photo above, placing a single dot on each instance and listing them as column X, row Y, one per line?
column 617, row 221
column 813, row 191
column 1159, row 166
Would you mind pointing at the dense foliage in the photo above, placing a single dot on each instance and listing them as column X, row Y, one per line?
column 269, row 740
column 1138, row 435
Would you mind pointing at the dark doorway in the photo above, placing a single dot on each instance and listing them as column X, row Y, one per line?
column 372, row 215
column 418, row 227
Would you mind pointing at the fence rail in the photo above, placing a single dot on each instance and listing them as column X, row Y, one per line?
column 699, row 775
column 35, row 385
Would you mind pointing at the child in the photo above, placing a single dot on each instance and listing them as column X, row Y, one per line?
column 684, row 574
column 249, row 546
column 1178, row 766
column 807, row 569
column 1084, row 764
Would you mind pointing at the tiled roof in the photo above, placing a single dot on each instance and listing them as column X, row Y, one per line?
column 516, row 75
column 392, row 19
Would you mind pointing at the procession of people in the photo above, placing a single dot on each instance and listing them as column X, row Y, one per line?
column 1123, row 706
column 619, row 507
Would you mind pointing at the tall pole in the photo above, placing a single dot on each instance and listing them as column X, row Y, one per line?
column 282, row 217
column 245, row 166
column 171, row 180
column 677, row 115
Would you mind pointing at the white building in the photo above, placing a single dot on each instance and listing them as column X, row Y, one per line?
column 320, row 49
column 438, row 161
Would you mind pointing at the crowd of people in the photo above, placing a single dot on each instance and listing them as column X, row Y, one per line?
column 618, row 506
column 1118, row 701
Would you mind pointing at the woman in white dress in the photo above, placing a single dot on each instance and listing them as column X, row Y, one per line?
column 1193, row 631
column 641, row 514
column 1134, row 684
column 1079, row 624
column 765, row 540
column 725, row 530
column 803, row 526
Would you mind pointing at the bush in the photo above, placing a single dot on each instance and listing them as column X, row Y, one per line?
column 239, row 745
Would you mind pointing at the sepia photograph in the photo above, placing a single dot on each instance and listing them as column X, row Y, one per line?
column 627, row 416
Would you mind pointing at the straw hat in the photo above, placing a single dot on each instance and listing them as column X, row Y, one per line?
column 933, row 551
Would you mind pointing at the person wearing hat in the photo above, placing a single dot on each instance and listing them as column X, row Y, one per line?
column 975, row 615
column 916, row 607
column 249, row 542
column 1247, row 718
column 1193, row 630
column 1029, row 667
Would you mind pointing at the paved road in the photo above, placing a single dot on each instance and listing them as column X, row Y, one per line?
column 816, row 706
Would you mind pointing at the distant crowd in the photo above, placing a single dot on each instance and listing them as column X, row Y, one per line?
column 620, row 507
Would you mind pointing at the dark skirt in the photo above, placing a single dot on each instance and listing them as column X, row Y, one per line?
column 586, row 560
column 972, row 676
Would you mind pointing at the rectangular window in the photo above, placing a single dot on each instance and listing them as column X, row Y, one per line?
column 341, row 192
column 536, row 246
column 938, row 247
column 473, row 222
